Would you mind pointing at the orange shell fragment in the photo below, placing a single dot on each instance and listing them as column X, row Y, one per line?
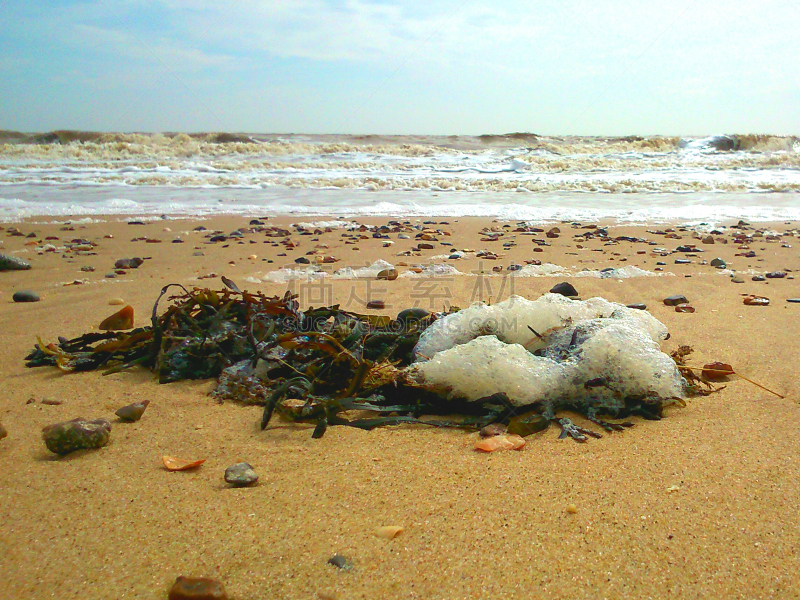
column 119, row 320
column 180, row 464
column 500, row 442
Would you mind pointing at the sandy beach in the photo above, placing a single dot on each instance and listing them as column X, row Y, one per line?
column 699, row 504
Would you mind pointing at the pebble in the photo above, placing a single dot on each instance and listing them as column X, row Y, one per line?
column 110, row 275
column 197, row 588
column 128, row 263
column 675, row 300
column 759, row 278
column 26, row 296
column 77, row 434
column 340, row 562
column 719, row 263
column 412, row 314
column 682, row 261
column 302, row 260
column 132, row 412
column 120, row 320
column 116, row 302
column 3, row 431
column 793, row 300
column 376, row 304
column 776, row 275
column 684, row 308
column 565, row 289
column 12, row 263
column 737, row 279
column 388, row 274
column 756, row 301
column 240, row 475
column 492, row 430
column 637, row 306
column 572, row 509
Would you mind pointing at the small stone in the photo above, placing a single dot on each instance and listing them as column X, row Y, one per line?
column 572, row 509
column 411, row 315
column 120, row 320
column 675, row 300
column 637, row 306
column 128, row 263
column 389, row 532
column 388, row 274
column 116, row 301
column 78, row 434
column 737, row 279
column 493, row 429
column 110, row 275
column 682, row 261
column 425, row 246
column 756, row 301
column 684, row 308
column 793, row 300
column 132, row 412
column 240, row 475
column 12, row 263
column 302, row 260
column 758, row 278
column 52, row 402
column 376, row 304
column 565, row 289
column 340, row 562
column 718, row 263
column 25, row 296
column 87, row 269
column 3, row 431
column 197, row 588
column 776, row 275
column 528, row 424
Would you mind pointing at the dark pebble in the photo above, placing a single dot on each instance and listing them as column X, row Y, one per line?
column 26, row 296
column 684, row 308
column 776, row 275
column 240, row 475
column 682, row 261
column 675, row 300
column 719, row 263
column 132, row 412
column 638, row 306
column 12, row 263
column 493, row 429
column 78, row 434
column 376, row 304
column 128, row 263
column 759, row 278
column 302, row 260
column 793, row 300
column 340, row 562
column 564, row 288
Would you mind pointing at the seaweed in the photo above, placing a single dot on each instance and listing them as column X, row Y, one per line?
column 325, row 365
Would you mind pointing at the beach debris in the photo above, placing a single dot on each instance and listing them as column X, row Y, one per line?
column 776, row 275
column 758, row 278
column 180, row 464
column 527, row 424
column 572, row 509
column 376, row 304
column 3, row 431
column 116, row 302
column 684, row 308
column 716, row 370
column 565, row 289
column 459, row 368
column 25, row 296
column 500, row 442
column 52, row 402
column 340, row 562
column 637, row 306
column 123, row 319
column 128, row 263
column 675, row 300
column 389, row 532
column 751, row 300
column 197, row 588
column 13, row 263
column 77, row 434
column 719, row 263
column 388, row 274
column 240, row 475
column 132, row 412
column 793, row 300
column 492, row 429
column 737, row 279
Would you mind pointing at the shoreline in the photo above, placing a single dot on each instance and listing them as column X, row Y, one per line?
column 695, row 505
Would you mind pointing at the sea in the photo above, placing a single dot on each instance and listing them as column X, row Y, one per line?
column 517, row 176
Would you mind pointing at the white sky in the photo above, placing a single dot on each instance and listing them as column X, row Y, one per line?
column 673, row 67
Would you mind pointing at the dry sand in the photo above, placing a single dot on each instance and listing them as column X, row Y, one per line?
column 700, row 504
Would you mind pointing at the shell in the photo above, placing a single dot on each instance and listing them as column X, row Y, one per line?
column 500, row 442
column 389, row 532
column 122, row 319
column 180, row 464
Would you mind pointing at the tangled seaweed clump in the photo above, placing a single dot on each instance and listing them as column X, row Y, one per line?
column 330, row 366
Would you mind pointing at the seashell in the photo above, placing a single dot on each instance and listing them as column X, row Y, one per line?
column 180, row 464
column 132, row 412
column 122, row 319
column 500, row 442
column 389, row 532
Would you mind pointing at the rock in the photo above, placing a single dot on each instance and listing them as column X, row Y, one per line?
column 565, row 289
column 116, row 301
column 302, row 260
column 756, row 301
column 527, row 424
column 388, row 274
column 376, row 304
column 758, row 278
column 12, row 263
column 425, row 246
column 240, row 475
column 709, row 239
column 340, row 562
column 719, row 263
column 3, row 432
column 412, row 314
column 776, row 275
column 737, row 279
column 675, row 300
column 637, row 306
column 684, row 308
column 493, row 429
column 793, row 300
column 197, row 588
column 553, row 233
column 132, row 412
column 25, row 296
column 122, row 319
column 128, row 263
column 78, row 434
column 572, row 509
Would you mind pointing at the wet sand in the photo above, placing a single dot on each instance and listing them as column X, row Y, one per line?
column 700, row 504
